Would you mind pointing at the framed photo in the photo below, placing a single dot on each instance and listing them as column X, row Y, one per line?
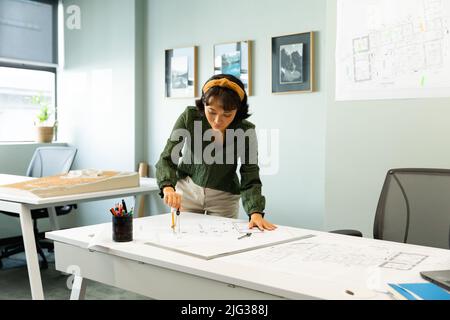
column 293, row 63
column 181, row 72
column 235, row 58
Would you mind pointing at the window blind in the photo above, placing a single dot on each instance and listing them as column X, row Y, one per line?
column 28, row 30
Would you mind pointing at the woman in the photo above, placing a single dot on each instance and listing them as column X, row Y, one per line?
column 215, row 136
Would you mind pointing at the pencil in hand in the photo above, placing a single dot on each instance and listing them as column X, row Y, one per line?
column 173, row 220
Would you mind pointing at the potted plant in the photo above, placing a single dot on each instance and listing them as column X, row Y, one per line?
column 45, row 128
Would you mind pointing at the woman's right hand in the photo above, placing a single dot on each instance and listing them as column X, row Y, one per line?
column 171, row 198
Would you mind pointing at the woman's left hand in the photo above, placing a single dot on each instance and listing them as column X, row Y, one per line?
column 262, row 224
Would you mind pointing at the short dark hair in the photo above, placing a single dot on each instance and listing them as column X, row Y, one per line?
column 227, row 98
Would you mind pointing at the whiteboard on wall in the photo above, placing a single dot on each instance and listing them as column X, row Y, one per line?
column 392, row 49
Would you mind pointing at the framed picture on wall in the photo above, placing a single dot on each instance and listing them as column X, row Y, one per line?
column 293, row 63
column 235, row 58
column 181, row 72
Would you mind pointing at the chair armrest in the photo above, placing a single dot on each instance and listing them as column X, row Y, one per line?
column 11, row 214
column 354, row 233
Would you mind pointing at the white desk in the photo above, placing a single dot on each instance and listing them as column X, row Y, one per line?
column 326, row 273
column 11, row 202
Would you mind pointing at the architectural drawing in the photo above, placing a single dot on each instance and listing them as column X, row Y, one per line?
column 404, row 261
column 392, row 49
column 316, row 251
column 210, row 237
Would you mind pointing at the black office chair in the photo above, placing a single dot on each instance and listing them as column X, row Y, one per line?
column 46, row 161
column 414, row 207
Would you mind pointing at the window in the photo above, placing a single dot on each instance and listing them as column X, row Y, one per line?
column 28, row 65
column 17, row 111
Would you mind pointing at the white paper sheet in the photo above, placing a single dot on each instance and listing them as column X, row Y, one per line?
column 201, row 236
column 373, row 265
column 209, row 237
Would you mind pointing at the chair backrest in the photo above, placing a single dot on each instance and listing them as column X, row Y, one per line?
column 414, row 207
column 48, row 161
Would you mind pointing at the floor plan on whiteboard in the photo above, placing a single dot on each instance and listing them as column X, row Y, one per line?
column 392, row 49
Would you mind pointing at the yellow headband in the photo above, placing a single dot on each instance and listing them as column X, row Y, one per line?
column 224, row 82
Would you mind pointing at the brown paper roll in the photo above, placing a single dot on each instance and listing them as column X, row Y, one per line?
column 143, row 169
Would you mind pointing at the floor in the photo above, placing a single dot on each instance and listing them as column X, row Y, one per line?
column 14, row 284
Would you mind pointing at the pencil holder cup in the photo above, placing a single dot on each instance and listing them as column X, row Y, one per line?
column 122, row 229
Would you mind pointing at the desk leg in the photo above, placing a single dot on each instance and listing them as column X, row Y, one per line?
column 54, row 224
column 26, row 223
column 78, row 288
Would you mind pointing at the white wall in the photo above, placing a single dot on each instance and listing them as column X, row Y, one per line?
column 366, row 138
column 101, row 108
column 295, row 195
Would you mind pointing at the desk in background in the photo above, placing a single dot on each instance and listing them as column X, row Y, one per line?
column 23, row 205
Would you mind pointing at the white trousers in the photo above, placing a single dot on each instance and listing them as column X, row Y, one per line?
column 207, row 201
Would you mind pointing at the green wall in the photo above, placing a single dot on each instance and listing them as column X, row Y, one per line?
column 295, row 195
column 101, row 92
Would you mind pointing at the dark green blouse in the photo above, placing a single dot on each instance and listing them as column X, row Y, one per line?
column 219, row 175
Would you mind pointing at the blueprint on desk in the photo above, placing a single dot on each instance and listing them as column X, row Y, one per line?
column 347, row 260
column 210, row 237
column 199, row 235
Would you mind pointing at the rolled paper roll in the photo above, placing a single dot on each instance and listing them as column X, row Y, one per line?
column 143, row 169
